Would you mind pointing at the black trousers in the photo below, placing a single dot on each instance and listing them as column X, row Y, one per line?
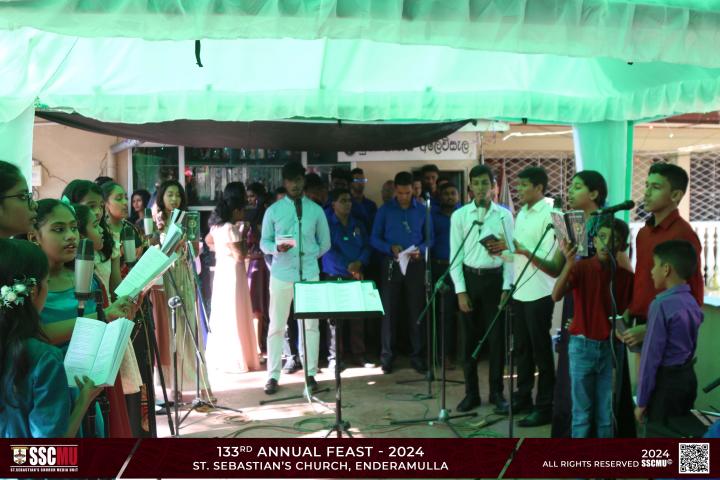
column 674, row 396
column 484, row 291
column 533, row 350
column 398, row 290
column 353, row 331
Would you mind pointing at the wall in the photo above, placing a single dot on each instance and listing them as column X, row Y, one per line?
column 66, row 154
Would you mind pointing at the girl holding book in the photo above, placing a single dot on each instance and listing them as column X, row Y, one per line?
column 56, row 232
column 35, row 400
column 178, row 281
column 116, row 213
column 17, row 207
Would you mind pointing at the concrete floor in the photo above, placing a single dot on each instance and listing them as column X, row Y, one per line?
column 371, row 401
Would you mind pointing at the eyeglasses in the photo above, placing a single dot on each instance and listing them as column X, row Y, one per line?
column 26, row 196
column 360, row 180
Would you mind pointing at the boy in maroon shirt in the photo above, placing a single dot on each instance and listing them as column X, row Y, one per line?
column 590, row 355
column 665, row 186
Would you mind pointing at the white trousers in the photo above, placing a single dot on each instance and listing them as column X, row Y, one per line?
column 281, row 296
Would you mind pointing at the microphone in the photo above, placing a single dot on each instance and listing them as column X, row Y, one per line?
column 175, row 302
column 298, row 207
column 626, row 205
column 148, row 223
column 127, row 236
column 84, row 267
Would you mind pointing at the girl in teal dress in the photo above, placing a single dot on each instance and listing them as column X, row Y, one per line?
column 56, row 232
column 35, row 400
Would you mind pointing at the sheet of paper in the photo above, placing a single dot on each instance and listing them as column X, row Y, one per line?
column 404, row 258
column 84, row 343
column 344, row 296
column 172, row 238
column 309, row 298
column 148, row 268
column 371, row 296
column 110, row 351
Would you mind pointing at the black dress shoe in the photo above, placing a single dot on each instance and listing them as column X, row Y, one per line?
column 519, row 406
column 291, row 366
column 536, row 419
column 312, row 384
column 499, row 401
column 271, row 386
column 387, row 369
column 419, row 367
column 468, row 403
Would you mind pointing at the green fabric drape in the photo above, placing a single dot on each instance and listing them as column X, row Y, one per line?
column 138, row 81
column 675, row 31
column 16, row 138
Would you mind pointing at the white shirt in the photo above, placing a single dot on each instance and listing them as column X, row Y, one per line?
column 529, row 227
column 497, row 221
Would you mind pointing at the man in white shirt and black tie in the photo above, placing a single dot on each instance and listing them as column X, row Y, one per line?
column 532, row 301
column 481, row 281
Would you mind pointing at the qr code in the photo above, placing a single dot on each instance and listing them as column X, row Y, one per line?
column 695, row 458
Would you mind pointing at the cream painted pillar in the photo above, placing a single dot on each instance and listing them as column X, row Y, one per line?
column 16, row 137
column 683, row 160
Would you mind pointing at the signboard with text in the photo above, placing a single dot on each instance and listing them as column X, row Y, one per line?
column 453, row 147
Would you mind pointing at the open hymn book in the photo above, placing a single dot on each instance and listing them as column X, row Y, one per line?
column 320, row 299
column 142, row 276
column 96, row 350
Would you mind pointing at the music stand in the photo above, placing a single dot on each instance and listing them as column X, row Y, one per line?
column 337, row 301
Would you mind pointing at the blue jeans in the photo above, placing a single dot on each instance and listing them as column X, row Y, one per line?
column 591, row 372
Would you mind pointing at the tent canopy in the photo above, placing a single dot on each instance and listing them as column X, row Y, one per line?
column 139, row 81
column 598, row 64
column 674, row 31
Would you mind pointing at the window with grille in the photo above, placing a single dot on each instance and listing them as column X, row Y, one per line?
column 560, row 168
column 704, row 182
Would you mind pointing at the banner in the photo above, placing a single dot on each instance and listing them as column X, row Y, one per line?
column 454, row 147
column 361, row 458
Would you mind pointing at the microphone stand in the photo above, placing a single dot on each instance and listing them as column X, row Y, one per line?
column 306, row 392
column 502, row 310
column 174, row 303
column 444, row 416
column 199, row 362
column 102, row 398
column 617, row 355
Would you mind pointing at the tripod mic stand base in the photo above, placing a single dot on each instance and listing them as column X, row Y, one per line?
column 199, row 403
column 340, row 428
column 443, row 418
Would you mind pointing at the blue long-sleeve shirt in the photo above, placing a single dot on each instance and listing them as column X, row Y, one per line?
column 365, row 211
column 397, row 226
column 671, row 338
column 441, row 239
column 281, row 220
column 348, row 244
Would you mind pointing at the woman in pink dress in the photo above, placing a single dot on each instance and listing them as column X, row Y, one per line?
column 231, row 345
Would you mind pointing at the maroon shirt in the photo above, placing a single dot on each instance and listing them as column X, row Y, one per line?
column 672, row 228
column 590, row 281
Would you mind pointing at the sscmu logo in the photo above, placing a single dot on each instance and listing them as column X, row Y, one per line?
column 44, row 458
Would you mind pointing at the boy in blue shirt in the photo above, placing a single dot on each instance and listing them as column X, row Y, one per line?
column 347, row 258
column 667, row 385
